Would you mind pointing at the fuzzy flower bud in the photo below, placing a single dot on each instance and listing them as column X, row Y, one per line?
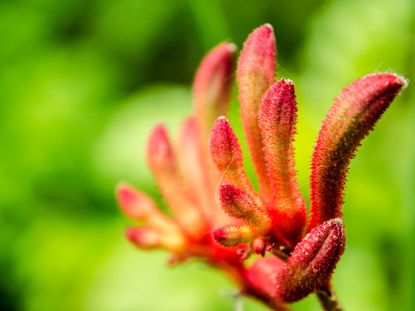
column 312, row 261
column 277, row 119
column 240, row 204
column 255, row 74
column 352, row 116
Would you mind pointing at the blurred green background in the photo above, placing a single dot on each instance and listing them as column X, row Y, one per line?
column 82, row 83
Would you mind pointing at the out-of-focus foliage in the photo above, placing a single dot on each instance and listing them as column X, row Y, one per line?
column 81, row 84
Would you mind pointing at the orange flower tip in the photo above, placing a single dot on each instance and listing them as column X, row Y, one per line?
column 128, row 199
column 352, row 116
column 159, row 148
column 233, row 235
column 145, row 238
column 312, row 261
column 240, row 204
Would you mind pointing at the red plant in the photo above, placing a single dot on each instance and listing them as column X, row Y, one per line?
column 293, row 257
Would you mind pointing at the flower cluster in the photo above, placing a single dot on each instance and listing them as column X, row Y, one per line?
column 217, row 214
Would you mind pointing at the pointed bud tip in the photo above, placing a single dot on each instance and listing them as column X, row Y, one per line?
column 158, row 143
column 126, row 196
column 230, row 47
column 266, row 28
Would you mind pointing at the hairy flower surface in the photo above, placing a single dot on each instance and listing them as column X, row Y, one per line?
column 217, row 214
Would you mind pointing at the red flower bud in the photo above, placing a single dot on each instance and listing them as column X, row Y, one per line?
column 240, row 204
column 226, row 153
column 277, row 120
column 255, row 74
column 353, row 114
column 163, row 163
column 312, row 261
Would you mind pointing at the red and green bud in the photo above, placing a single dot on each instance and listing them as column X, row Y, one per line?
column 163, row 162
column 255, row 74
column 277, row 119
column 242, row 205
column 226, row 153
column 312, row 261
column 351, row 117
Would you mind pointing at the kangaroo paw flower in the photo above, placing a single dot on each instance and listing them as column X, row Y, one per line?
column 268, row 225
column 163, row 162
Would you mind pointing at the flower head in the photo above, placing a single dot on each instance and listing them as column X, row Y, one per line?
column 217, row 214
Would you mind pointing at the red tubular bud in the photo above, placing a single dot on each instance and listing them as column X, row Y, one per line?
column 145, row 238
column 135, row 205
column 351, row 117
column 195, row 169
column 212, row 86
column 163, row 163
column 312, row 261
column 240, row 204
column 233, row 235
column 255, row 74
column 226, row 153
column 277, row 120
column 140, row 207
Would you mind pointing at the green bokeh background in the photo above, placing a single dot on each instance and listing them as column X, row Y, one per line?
column 83, row 82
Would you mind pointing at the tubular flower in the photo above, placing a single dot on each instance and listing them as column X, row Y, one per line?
column 217, row 214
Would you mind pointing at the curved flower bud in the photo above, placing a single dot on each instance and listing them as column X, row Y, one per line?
column 240, row 204
column 193, row 167
column 226, row 153
column 312, row 261
column 351, row 117
column 277, row 120
column 212, row 86
column 162, row 161
column 255, row 74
